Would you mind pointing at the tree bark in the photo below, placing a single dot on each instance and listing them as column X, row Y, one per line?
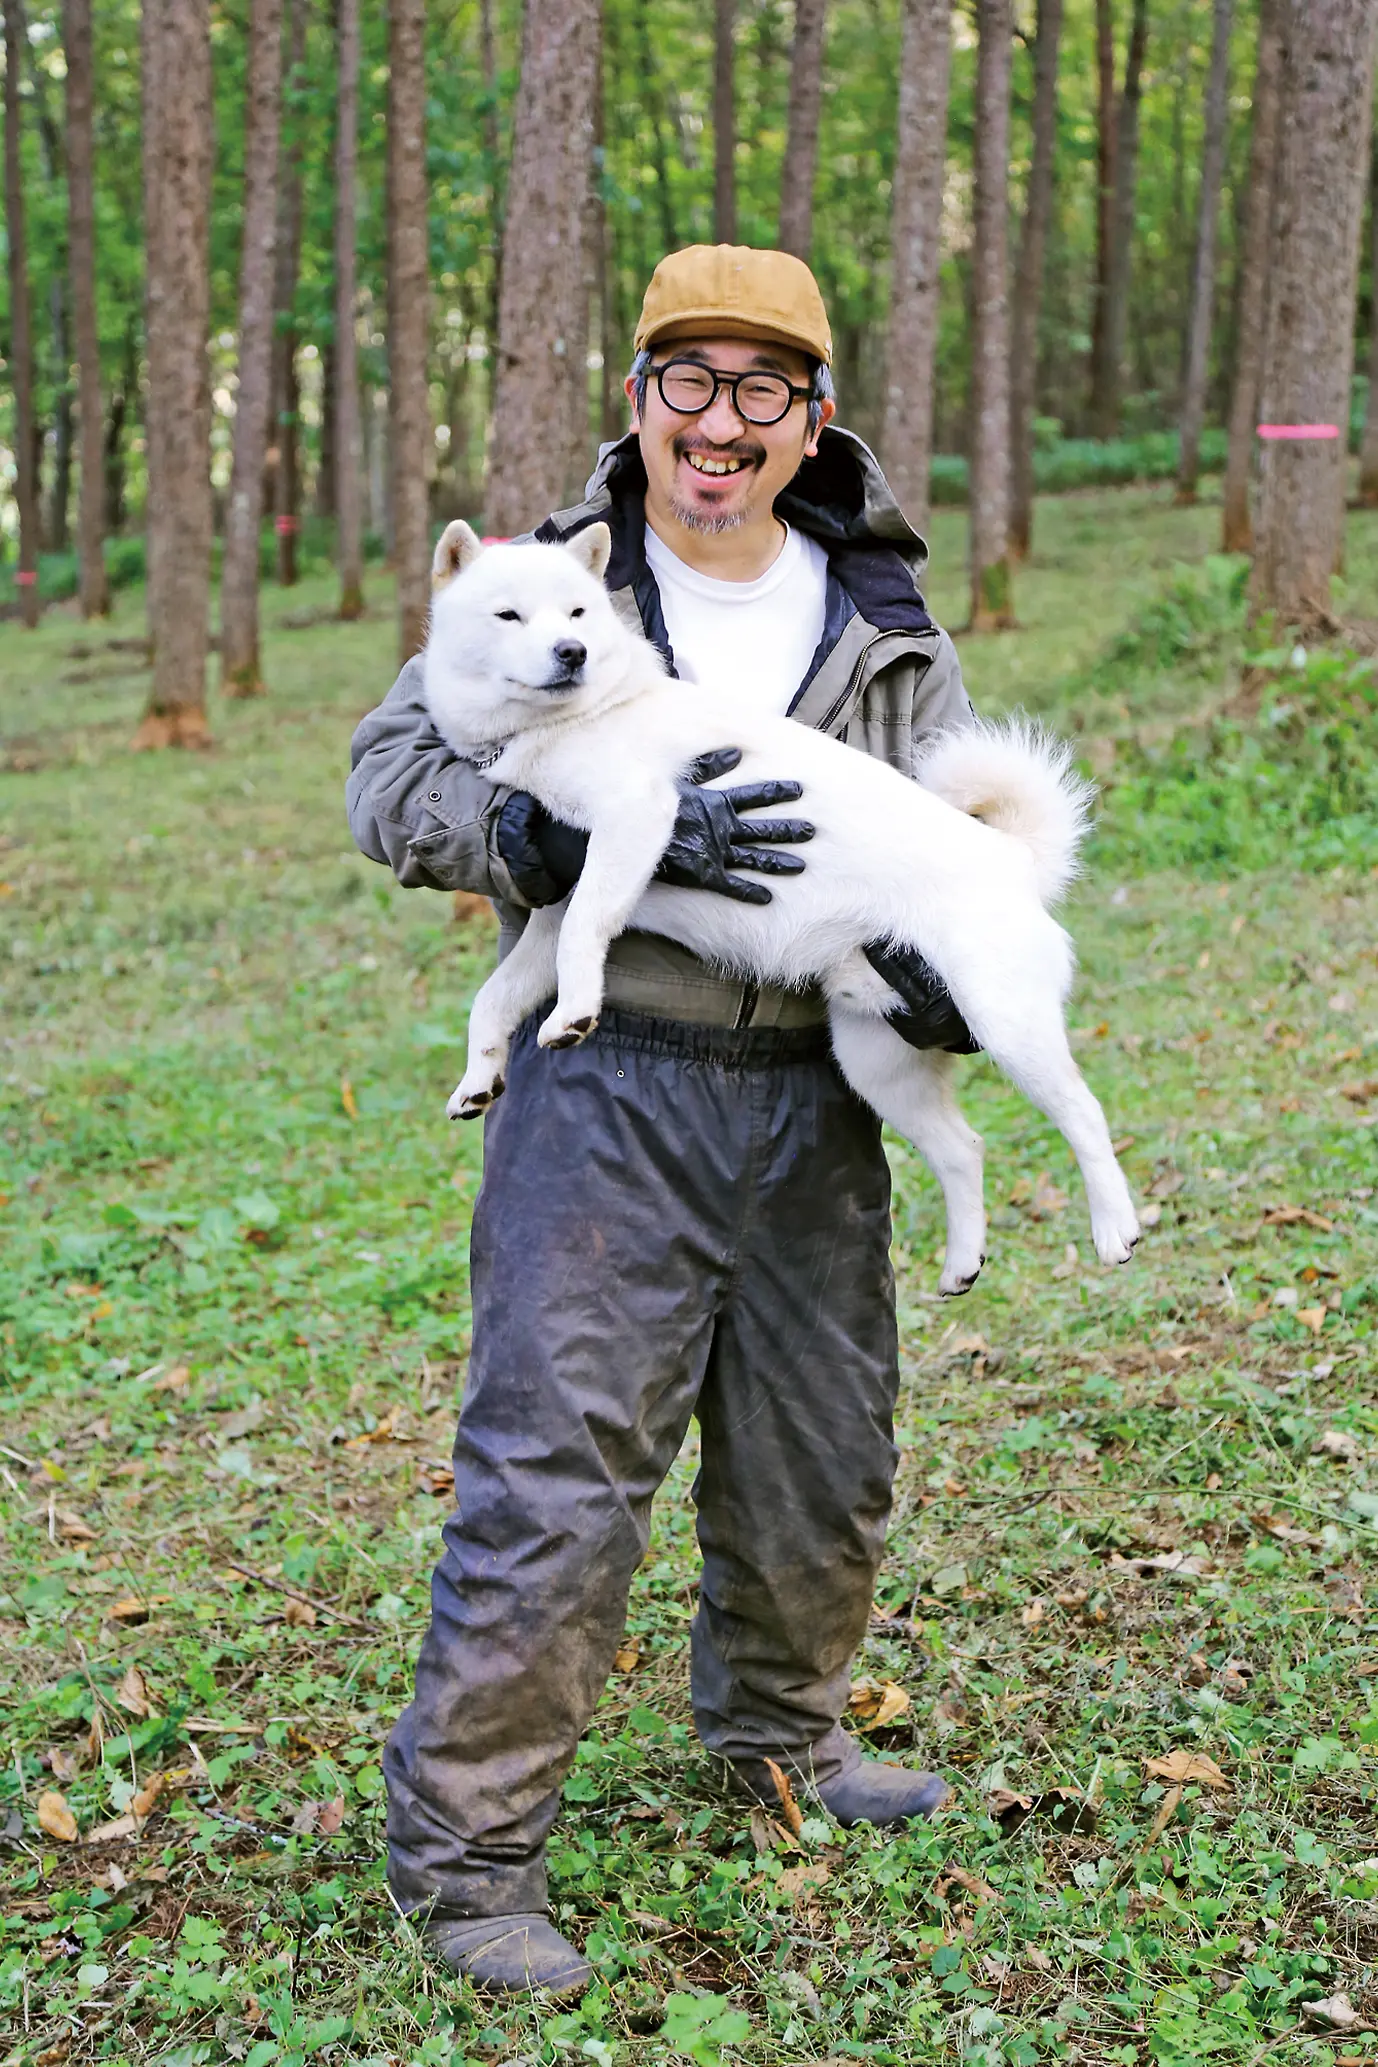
column 349, row 491
column 801, row 143
column 1105, row 186
column 59, row 501
column 240, row 669
column 1028, row 283
column 326, row 469
column 1368, row 449
column 113, row 444
column 916, row 211
column 991, row 603
column 93, row 587
column 1105, row 401
column 178, row 157
column 284, row 429
column 1327, row 85
column 541, row 380
column 1237, row 531
column 408, row 319
column 724, row 123
column 1203, row 268
column 21, row 329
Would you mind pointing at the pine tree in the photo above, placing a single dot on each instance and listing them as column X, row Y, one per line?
column 1203, row 268
column 348, row 487
column 915, row 217
column 801, row 142
column 1237, row 534
column 408, row 320
column 992, row 608
column 1028, row 282
column 21, row 332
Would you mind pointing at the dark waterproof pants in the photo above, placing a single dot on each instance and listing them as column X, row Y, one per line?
column 674, row 1220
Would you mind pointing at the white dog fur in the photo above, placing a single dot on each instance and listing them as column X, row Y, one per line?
column 959, row 864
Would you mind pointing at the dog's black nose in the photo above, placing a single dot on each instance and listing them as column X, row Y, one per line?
column 571, row 654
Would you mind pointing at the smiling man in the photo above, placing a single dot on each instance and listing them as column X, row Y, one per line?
column 688, row 1216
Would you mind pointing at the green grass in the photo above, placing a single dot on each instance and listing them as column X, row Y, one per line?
column 234, row 1320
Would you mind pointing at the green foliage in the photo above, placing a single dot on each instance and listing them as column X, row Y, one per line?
column 1286, row 772
column 1061, row 464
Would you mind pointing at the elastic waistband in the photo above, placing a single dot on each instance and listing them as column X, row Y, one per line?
column 728, row 1047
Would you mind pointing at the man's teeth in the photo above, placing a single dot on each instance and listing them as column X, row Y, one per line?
column 701, row 464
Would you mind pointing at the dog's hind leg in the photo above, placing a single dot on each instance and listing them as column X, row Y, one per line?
column 911, row 1088
column 1032, row 1050
column 524, row 979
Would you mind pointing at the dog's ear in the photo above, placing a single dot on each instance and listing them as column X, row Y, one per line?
column 459, row 547
column 592, row 548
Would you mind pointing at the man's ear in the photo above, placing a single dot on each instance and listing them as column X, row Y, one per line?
column 459, row 547
column 827, row 411
column 592, row 548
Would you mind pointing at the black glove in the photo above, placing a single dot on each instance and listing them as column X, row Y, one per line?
column 710, row 837
column 930, row 1019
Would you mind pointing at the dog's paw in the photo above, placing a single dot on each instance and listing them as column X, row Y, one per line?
column 956, row 1279
column 1115, row 1239
column 561, row 1032
column 471, row 1101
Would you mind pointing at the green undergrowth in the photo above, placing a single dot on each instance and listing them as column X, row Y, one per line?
column 1135, row 1511
column 1062, row 464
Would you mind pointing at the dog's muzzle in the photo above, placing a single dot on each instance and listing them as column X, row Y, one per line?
column 569, row 656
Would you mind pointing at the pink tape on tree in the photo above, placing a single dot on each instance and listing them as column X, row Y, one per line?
column 1299, row 430
column 25, row 578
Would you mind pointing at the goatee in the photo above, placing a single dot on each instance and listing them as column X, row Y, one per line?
column 706, row 524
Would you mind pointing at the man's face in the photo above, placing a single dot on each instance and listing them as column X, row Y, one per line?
column 715, row 471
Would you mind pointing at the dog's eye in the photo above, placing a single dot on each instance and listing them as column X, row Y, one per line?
column 510, row 616
column 577, row 613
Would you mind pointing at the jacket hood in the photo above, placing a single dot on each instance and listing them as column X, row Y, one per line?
column 839, row 497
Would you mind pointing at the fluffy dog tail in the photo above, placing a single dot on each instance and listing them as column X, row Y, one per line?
column 1018, row 778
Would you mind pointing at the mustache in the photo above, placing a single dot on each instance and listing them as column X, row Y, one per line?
column 741, row 448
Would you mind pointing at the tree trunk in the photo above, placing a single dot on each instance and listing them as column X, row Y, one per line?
column 349, row 494
column 916, row 210
column 21, row 331
column 240, row 672
column 113, row 455
column 408, row 319
column 1203, row 269
column 1327, row 86
column 1105, row 188
column 541, row 380
column 1237, row 534
column 1105, row 405
column 724, row 124
column 93, row 587
column 1368, row 450
column 283, row 460
column 1028, row 283
column 59, row 502
column 326, row 469
column 991, row 605
column 801, row 146
column 178, row 157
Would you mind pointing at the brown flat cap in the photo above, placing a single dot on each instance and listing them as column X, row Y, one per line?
column 729, row 290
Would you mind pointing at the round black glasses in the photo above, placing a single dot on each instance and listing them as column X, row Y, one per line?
column 689, row 388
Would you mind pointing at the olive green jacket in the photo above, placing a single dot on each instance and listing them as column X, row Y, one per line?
column 883, row 676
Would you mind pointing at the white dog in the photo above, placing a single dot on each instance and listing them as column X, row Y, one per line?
column 531, row 675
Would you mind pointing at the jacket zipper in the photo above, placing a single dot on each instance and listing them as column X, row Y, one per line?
column 746, row 1010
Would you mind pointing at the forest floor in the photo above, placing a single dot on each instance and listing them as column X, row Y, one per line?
column 1123, row 1607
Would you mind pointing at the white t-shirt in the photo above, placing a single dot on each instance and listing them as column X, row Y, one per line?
column 751, row 639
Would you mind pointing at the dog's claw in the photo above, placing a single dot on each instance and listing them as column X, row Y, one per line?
column 570, row 1034
column 474, row 1104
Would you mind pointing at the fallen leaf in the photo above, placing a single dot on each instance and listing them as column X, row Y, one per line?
column 1359, row 1094
column 1008, row 1809
column 1166, row 1184
column 145, row 1801
column 949, row 1712
column 968, row 1345
column 347, row 1099
column 111, row 1833
column 174, row 1380
column 1032, row 1613
column 72, row 1528
column 332, row 1817
column 1182, row 1767
column 132, row 1610
column 299, row 1614
column 875, row 1703
column 789, row 1807
column 628, row 1657
column 306, row 1818
column 1298, row 1216
column 386, row 1430
column 132, row 1693
column 1149, row 1216
column 1285, row 1531
column 438, row 1480
column 1312, row 1317
column 766, row 1833
column 1333, row 2013
column 799, row 1882
column 969, row 1883
column 1167, row 1809
column 1233, row 1683
column 63, row 1765
column 1047, row 1198
column 56, row 1818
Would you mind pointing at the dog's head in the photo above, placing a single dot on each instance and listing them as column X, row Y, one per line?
column 518, row 629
